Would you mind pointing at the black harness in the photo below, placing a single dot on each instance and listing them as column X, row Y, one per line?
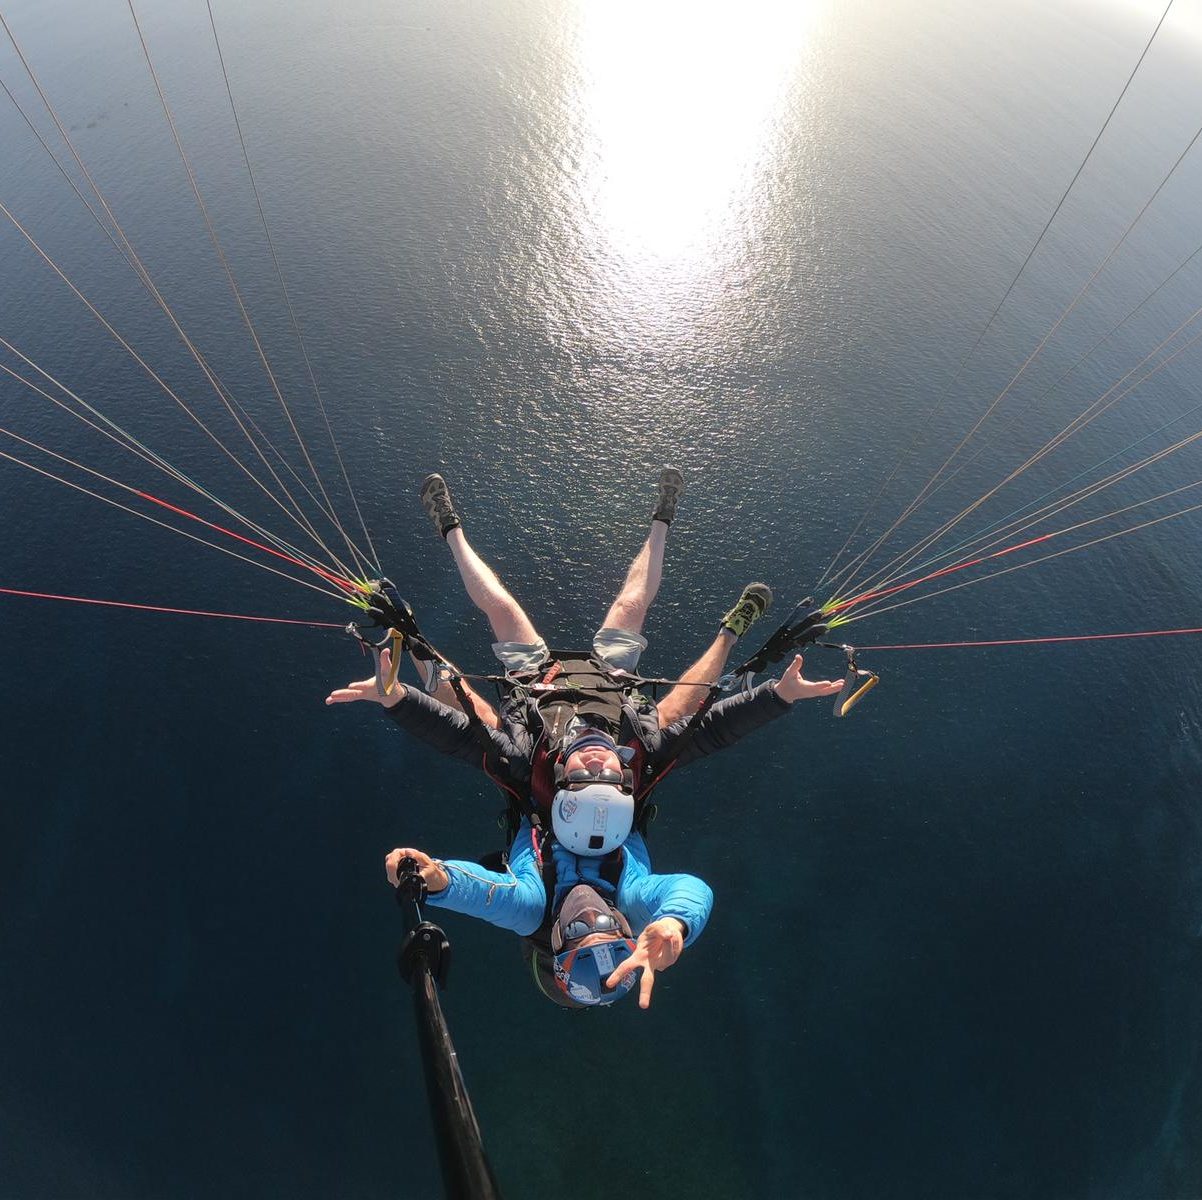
column 575, row 683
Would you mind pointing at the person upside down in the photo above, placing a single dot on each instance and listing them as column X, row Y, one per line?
column 578, row 748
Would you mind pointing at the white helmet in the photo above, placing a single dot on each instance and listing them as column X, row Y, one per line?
column 592, row 820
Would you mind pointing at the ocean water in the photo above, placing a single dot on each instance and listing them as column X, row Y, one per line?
column 545, row 248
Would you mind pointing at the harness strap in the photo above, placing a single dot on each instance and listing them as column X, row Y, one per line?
column 610, row 871
column 480, row 731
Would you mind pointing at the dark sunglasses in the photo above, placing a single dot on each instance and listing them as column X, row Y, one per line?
column 582, row 777
column 582, row 926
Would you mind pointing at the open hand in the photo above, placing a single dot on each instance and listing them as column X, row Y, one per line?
column 434, row 874
column 366, row 689
column 658, row 947
column 791, row 686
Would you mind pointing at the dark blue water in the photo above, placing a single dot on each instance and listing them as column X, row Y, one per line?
column 547, row 248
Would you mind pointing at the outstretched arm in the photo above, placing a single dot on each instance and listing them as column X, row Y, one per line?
column 793, row 686
column 514, row 900
column 734, row 718
column 366, row 689
column 446, row 729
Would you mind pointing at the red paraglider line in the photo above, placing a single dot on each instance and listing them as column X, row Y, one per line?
column 843, row 605
column 189, row 612
column 345, row 584
column 1036, row 641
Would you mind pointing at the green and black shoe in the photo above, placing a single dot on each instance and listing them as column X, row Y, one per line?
column 753, row 604
column 671, row 488
column 436, row 500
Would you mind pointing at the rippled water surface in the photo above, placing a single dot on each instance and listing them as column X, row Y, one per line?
column 546, row 248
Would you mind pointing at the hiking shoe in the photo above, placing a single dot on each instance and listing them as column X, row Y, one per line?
column 436, row 500
column 671, row 488
column 752, row 605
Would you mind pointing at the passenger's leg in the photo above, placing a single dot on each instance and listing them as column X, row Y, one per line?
column 682, row 700
column 629, row 610
column 619, row 642
column 505, row 615
column 518, row 645
column 509, row 623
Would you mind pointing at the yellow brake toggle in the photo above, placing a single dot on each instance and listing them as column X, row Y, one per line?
column 857, row 683
column 397, row 639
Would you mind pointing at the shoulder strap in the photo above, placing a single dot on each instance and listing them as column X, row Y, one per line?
column 517, row 800
column 611, row 868
column 549, row 870
column 611, row 872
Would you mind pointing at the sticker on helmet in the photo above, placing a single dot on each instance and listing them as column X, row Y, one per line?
column 604, row 958
column 581, row 993
column 567, row 807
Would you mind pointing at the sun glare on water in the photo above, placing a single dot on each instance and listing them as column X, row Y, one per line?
column 681, row 106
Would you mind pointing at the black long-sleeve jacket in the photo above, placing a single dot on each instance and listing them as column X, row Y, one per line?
column 512, row 747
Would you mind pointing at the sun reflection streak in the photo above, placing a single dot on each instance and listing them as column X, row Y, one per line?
column 683, row 107
column 681, row 101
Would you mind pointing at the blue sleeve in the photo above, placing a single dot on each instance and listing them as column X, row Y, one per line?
column 645, row 897
column 515, row 901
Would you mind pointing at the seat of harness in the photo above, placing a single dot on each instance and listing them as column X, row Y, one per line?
column 574, row 685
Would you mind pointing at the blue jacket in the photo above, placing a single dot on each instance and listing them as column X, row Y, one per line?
column 518, row 902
